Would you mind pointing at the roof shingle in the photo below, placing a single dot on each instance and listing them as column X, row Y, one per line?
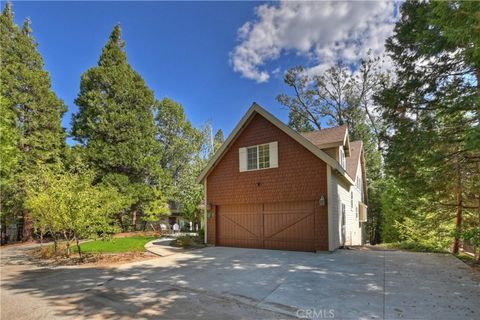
column 325, row 137
column 353, row 159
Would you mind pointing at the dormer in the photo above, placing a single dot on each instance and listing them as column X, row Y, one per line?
column 334, row 141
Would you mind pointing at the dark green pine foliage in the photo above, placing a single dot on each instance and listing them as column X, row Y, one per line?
column 27, row 86
column 27, row 94
column 218, row 140
column 433, row 115
column 115, row 125
column 115, row 121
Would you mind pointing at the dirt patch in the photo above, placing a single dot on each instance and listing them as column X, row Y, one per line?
column 121, row 258
column 471, row 262
column 103, row 259
column 20, row 244
column 138, row 234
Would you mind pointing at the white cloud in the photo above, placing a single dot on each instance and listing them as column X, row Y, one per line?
column 324, row 31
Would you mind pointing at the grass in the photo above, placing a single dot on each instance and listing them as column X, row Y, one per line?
column 116, row 245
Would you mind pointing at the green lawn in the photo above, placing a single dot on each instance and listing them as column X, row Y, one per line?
column 117, row 245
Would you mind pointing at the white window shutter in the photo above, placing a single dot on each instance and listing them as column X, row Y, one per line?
column 273, row 147
column 242, row 159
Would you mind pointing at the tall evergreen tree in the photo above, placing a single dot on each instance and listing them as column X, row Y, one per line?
column 433, row 116
column 26, row 88
column 218, row 140
column 115, row 125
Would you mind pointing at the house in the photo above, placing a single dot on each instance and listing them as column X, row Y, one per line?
column 271, row 187
column 176, row 217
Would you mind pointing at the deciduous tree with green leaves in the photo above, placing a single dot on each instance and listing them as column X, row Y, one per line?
column 340, row 96
column 68, row 205
column 180, row 147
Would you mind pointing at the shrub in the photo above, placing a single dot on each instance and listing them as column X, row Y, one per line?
column 201, row 234
column 188, row 241
column 414, row 246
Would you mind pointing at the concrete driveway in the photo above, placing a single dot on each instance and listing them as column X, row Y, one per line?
column 229, row 283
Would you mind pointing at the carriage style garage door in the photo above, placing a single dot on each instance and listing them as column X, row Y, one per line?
column 284, row 225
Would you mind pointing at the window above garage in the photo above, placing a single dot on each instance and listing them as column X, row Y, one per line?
column 262, row 156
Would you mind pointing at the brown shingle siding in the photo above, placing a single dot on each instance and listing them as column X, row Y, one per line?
column 300, row 176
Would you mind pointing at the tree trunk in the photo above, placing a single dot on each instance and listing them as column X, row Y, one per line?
column 79, row 249
column 153, row 228
column 27, row 233
column 458, row 223
column 67, row 243
column 68, row 248
column 3, row 230
column 134, row 219
column 55, row 246
column 477, row 250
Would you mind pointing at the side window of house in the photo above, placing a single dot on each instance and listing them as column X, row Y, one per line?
column 263, row 156
column 252, row 162
column 351, row 200
column 342, row 158
column 359, row 183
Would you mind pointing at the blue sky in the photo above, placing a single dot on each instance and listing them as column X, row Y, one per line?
column 215, row 58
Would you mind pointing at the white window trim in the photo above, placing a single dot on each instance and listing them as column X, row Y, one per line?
column 272, row 163
column 342, row 158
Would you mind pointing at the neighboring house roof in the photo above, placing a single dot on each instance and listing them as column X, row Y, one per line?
column 330, row 137
column 256, row 109
column 354, row 160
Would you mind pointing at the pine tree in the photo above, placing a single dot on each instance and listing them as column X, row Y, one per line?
column 433, row 115
column 26, row 87
column 218, row 140
column 115, row 124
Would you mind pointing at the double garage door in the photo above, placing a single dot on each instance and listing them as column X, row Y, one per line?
column 285, row 225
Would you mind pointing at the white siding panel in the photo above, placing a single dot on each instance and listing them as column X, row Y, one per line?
column 341, row 194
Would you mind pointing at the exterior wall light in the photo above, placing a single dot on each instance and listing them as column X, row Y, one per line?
column 322, row 201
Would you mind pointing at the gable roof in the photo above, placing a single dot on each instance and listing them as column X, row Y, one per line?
column 256, row 109
column 354, row 160
column 330, row 137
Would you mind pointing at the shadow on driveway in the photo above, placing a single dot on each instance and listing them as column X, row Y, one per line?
column 228, row 283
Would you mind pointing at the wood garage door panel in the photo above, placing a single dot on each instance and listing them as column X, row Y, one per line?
column 239, row 225
column 284, row 225
column 299, row 227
